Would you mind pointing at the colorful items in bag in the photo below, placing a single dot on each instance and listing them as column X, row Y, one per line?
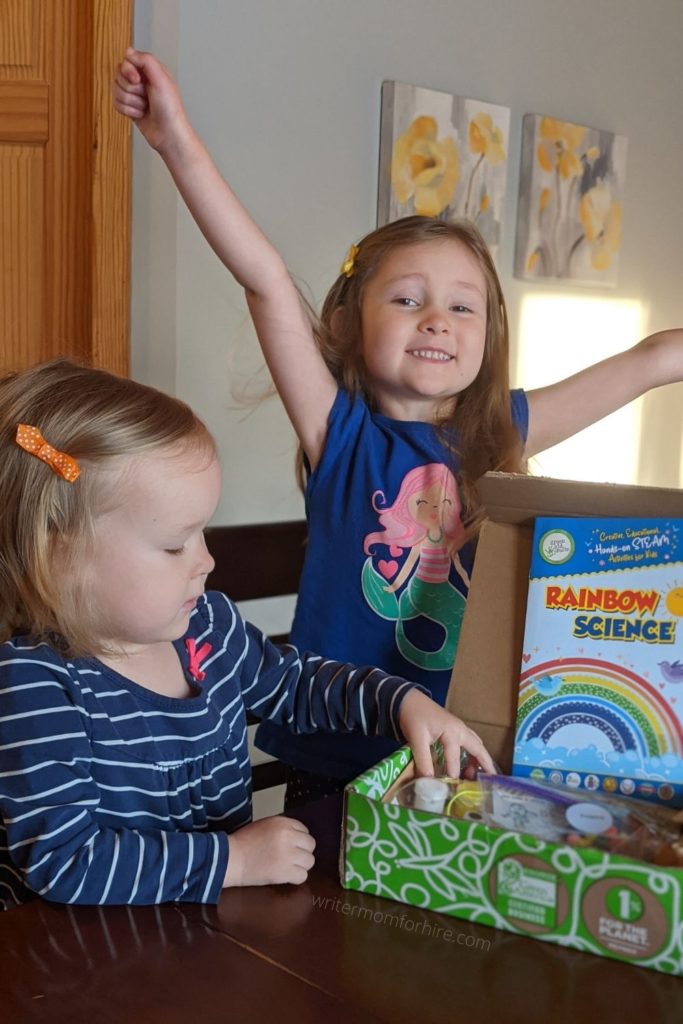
column 555, row 814
column 466, row 803
column 455, row 798
column 601, row 690
column 440, row 794
column 559, row 814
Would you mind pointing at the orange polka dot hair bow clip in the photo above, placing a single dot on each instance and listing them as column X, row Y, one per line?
column 32, row 441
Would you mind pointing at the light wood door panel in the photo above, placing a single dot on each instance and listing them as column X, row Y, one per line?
column 64, row 183
column 21, row 254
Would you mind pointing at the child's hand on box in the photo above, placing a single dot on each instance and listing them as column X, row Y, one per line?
column 423, row 722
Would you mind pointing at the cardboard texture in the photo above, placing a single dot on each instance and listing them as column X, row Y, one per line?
column 584, row 898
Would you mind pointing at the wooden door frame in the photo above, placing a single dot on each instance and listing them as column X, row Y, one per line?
column 110, row 248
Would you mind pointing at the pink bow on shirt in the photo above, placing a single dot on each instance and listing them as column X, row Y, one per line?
column 196, row 657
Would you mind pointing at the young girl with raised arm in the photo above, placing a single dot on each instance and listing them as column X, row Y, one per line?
column 124, row 773
column 400, row 397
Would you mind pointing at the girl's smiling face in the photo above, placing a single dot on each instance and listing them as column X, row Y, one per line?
column 423, row 318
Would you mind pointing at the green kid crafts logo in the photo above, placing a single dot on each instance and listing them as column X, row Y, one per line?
column 526, row 893
column 556, row 547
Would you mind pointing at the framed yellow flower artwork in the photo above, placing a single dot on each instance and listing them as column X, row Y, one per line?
column 571, row 200
column 442, row 156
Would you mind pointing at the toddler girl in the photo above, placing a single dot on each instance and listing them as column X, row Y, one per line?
column 124, row 773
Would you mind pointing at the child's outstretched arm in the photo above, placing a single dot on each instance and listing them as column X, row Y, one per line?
column 278, row 849
column 560, row 410
column 145, row 91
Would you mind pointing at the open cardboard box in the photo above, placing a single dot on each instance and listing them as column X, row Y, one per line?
column 485, row 682
column 587, row 899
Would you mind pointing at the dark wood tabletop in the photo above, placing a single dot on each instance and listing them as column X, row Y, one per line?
column 305, row 953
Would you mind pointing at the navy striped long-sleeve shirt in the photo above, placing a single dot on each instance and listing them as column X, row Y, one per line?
column 112, row 793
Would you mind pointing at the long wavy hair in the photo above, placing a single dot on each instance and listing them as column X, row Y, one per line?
column 478, row 428
column 46, row 523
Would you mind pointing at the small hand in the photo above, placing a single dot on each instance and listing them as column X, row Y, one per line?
column 270, row 852
column 424, row 722
column 144, row 91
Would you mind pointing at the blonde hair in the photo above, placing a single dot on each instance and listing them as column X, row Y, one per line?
column 46, row 523
column 479, row 430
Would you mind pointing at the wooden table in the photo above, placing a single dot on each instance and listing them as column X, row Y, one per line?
column 309, row 953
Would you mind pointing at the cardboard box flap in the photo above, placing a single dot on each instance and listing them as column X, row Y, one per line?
column 514, row 498
column 483, row 688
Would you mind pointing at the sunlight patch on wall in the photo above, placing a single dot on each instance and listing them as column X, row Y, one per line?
column 559, row 335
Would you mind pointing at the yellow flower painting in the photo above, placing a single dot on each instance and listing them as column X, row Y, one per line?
column 425, row 168
column 442, row 156
column 570, row 207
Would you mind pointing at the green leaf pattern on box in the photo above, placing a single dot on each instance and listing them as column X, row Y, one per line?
column 438, row 863
column 376, row 780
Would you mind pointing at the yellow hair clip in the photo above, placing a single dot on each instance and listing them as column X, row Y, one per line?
column 349, row 264
column 31, row 440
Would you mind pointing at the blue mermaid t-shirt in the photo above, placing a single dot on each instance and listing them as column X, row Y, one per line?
column 386, row 572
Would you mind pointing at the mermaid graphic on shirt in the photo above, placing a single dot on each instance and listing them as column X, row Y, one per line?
column 425, row 522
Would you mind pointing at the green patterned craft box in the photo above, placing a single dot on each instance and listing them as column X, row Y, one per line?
column 586, row 899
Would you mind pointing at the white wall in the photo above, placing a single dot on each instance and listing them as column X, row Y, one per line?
column 286, row 94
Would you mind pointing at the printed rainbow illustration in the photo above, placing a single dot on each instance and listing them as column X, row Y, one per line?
column 612, row 706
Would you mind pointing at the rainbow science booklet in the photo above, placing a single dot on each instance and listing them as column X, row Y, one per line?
column 601, row 689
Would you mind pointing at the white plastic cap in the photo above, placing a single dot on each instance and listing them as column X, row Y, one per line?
column 430, row 795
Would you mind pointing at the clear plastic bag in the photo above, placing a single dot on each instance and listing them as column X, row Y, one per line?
column 557, row 814
column 426, row 794
column 441, row 794
column 560, row 814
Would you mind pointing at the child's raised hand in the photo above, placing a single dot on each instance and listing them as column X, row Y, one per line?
column 424, row 722
column 144, row 91
column 270, row 852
